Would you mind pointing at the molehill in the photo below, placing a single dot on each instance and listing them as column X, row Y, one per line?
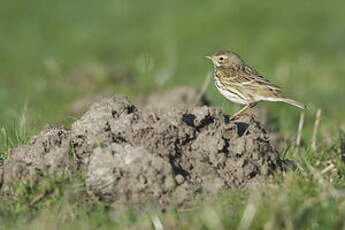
column 127, row 154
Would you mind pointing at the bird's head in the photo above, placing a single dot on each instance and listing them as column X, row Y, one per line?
column 225, row 59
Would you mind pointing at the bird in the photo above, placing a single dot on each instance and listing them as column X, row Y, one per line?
column 240, row 83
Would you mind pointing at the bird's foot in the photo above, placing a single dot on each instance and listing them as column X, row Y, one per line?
column 234, row 117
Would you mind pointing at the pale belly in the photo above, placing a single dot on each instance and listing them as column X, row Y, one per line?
column 228, row 95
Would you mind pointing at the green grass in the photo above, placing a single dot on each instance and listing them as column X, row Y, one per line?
column 157, row 44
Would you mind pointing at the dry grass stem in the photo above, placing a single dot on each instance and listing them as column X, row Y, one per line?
column 156, row 222
column 300, row 128
column 316, row 128
column 250, row 211
column 328, row 168
column 203, row 88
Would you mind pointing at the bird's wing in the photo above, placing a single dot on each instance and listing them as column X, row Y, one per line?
column 250, row 81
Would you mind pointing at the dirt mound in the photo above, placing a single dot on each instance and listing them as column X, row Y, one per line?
column 47, row 152
column 126, row 154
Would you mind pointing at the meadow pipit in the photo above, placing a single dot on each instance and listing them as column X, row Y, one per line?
column 240, row 83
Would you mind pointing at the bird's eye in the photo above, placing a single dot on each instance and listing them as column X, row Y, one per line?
column 221, row 59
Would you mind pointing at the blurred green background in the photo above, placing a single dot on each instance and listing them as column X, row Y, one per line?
column 155, row 44
column 55, row 53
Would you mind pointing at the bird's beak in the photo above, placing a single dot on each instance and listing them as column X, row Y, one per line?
column 208, row 57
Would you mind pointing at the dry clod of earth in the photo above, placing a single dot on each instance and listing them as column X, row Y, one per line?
column 45, row 153
column 130, row 155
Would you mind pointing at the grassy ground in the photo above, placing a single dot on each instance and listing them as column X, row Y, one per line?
column 135, row 48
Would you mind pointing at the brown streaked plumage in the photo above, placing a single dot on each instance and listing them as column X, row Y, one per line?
column 241, row 84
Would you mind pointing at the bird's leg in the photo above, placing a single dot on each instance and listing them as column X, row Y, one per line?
column 237, row 114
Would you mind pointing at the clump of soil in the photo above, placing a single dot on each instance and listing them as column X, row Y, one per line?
column 47, row 152
column 130, row 155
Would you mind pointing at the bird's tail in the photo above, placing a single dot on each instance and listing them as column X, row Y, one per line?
column 293, row 102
